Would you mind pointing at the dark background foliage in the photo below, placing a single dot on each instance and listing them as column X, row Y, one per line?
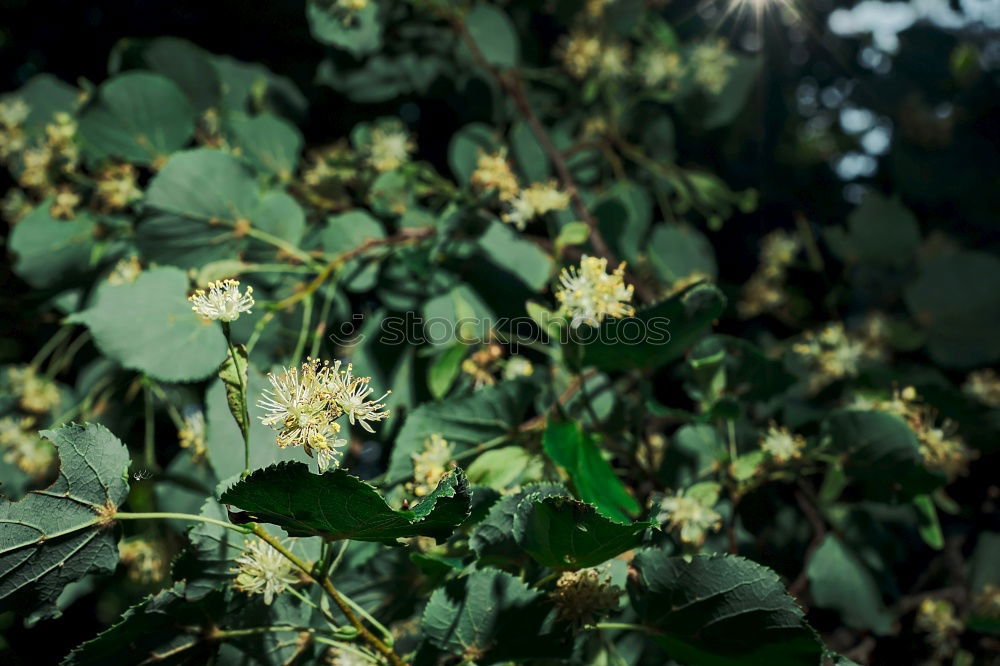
column 943, row 159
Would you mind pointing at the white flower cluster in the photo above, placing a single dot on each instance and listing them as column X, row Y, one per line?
column 589, row 293
column 261, row 569
column 223, row 301
column 304, row 406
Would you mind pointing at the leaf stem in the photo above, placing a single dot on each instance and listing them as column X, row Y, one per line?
column 619, row 625
column 190, row 517
column 149, row 438
column 245, row 427
column 380, row 646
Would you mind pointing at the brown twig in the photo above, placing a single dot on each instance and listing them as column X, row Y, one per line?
column 819, row 530
column 512, row 85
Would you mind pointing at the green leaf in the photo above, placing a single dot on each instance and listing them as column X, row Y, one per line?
column 443, row 372
column 349, row 231
column 336, row 505
column 139, row 117
column 466, row 146
column 529, row 154
column 593, row 477
column 564, row 534
column 956, row 298
column 56, row 536
column 224, row 439
column 881, row 451
column 726, row 106
column 187, row 65
column 504, row 467
column 203, row 184
column 839, row 580
column 494, row 35
column 665, row 331
column 881, row 232
column 148, row 325
column 624, row 214
column 927, row 522
column 484, row 416
column 572, row 233
column 720, row 611
column 233, row 374
column 45, row 96
column 457, row 315
column 679, row 251
column 491, row 616
column 524, row 259
column 271, row 144
column 170, row 628
column 50, row 251
column 359, row 35
column 493, row 539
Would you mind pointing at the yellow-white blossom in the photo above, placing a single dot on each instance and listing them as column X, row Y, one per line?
column 13, row 113
column 589, row 293
column 711, row 64
column 35, row 393
column 984, row 386
column 940, row 447
column 117, row 187
column 352, row 396
column 192, row 435
column 126, row 271
column 23, row 448
column 390, row 147
column 781, row 444
column 580, row 53
column 613, row 62
column 147, row 561
column 304, row 405
column 64, row 205
column 690, row 517
column 261, row 569
column 493, row 173
column 430, row 465
column 583, row 596
column 223, row 301
column 517, row 366
column 538, row 199
column 660, row 67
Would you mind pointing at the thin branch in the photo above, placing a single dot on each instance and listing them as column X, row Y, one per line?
column 380, row 646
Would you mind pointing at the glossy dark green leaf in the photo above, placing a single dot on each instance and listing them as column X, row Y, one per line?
column 336, row 505
column 716, row 610
column 496, row 617
column 49, row 251
column 839, row 580
column 564, row 534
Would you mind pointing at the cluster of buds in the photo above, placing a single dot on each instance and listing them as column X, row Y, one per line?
column 833, row 354
column 35, row 394
column 937, row 618
column 192, row 434
column 983, row 386
column 589, row 293
column 147, row 562
column 765, row 290
column 583, row 596
column 23, row 448
column 711, row 64
column 430, row 465
column 126, row 271
column 940, row 447
column 304, row 406
column 493, row 173
column 117, row 187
